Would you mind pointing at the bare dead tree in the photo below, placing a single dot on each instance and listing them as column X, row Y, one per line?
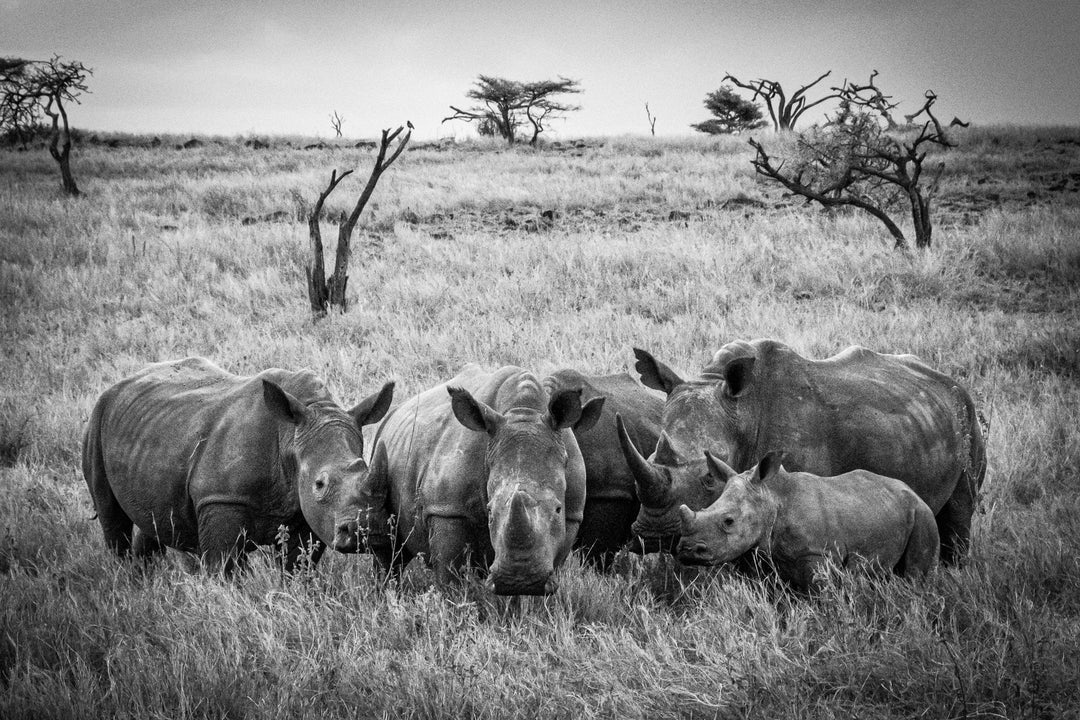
column 335, row 122
column 783, row 110
column 869, row 98
column 857, row 159
column 328, row 292
column 652, row 120
column 27, row 86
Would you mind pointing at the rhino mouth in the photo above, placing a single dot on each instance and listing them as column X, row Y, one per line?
column 526, row 587
column 696, row 553
column 505, row 583
column 352, row 537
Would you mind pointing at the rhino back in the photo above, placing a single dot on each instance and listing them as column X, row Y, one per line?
column 889, row 414
column 859, row 513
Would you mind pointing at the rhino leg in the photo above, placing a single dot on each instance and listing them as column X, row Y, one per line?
column 116, row 526
column 223, row 541
column 448, row 544
column 146, row 546
column 605, row 530
column 954, row 521
column 392, row 559
column 923, row 547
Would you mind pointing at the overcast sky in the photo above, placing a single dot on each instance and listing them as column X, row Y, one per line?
column 268, row 67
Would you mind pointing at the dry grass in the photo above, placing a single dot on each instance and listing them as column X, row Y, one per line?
column 455, row 266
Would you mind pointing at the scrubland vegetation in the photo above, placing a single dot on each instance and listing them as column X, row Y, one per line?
column 673, row 246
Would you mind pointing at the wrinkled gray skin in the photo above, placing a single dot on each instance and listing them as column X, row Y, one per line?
column 212, row 463
column 486, row 467
column 799, row 519
column 611, row 502
column 889, row 414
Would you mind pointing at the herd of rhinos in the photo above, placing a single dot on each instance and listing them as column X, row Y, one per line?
column 859, row 458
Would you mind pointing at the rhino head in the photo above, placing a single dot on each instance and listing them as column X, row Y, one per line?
column 322, row 447
column 528, row 463
column 740, row 519
column 664, row 482
column 717, row 412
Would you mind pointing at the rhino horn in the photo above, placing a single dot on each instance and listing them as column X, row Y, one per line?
column 665, row 452
column 379, row 470
column 688, row 518
column 653, row 484
column 519, row 531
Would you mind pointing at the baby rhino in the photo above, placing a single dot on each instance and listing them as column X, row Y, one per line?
column 798, row 519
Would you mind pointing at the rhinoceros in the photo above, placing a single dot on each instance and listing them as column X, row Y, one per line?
column 797, row 520
column 858, row 410
column 204, row 461
column 611, row 502
column 486, row 465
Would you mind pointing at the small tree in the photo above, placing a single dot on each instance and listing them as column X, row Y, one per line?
column 509, row 104
column 652, row 120
column 323, row 291
column 30, row 87
column 335, row 122
column 732, row 114
column 783, row 110
column 858, row 158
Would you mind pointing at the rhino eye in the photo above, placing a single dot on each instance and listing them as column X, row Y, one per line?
column 319, row 486
column 728, row 522
column 558, row 509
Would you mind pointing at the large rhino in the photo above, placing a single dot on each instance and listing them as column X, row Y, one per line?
column 611, row 502
column 205, row 461
column 486, row 465
column 889, row 414
column 799, row 520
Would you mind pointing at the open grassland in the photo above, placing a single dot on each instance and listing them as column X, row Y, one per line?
column 672, row 246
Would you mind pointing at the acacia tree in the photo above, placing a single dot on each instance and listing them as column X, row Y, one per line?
column 335, row 122
column 783, row 110
column 860, row 159
column 507, row 105
column 30, row 87
column 732, row 114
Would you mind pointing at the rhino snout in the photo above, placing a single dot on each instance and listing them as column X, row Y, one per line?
column 695, row 552
column 352, row 535
column 522, row 581
column 346, row 536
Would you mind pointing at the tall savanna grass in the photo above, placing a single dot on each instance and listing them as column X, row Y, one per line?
column 672, row 246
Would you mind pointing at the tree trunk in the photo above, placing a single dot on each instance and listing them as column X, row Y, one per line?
column 920, row 216
column 340, row 278
column 62, row 156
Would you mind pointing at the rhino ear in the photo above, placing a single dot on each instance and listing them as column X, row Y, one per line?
column 738, row 376
column 590, row 414
column 564, row 410
column 373, row 408
column 719, row 471
column 655, row 374
column 472, row 413
column 282, row 404
column 769, row 466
